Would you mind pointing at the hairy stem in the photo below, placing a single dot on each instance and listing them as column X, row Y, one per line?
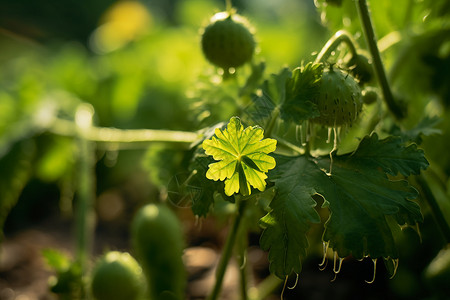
column 228, row 249
column 371, row 40
column 435, row 209
column 339, row 37
column 124, row 136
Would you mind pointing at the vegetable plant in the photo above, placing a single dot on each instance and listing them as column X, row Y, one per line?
column 335, row 142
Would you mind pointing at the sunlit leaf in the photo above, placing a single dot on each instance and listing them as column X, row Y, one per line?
column 242, row 156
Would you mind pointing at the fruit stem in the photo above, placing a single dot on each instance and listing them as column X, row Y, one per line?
column 229, row 7
column 85, row 217
column 228, row 248
column 435, row 209
column 339, row 37
column 124, row 136
column 371, row 40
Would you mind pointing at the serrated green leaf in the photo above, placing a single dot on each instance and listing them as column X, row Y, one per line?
column 229, row 147
column 426, row 127
column 203, row 198
column 301, row 88
column 358, row 193
column 391, row 155
column 286, row 225
column 289, row 92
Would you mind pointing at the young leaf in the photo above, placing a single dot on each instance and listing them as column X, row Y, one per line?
column 242, row 155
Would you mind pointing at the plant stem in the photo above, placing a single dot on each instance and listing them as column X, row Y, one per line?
column 229, row 6
column 228, row 250
column 339, row 37
column 434, row 206
column 124, row 136
column 85, row 217
column 371, row 40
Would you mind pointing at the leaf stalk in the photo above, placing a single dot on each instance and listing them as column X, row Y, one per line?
column 338, row 38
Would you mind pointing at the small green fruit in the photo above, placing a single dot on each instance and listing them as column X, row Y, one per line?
column 227, row 41
column 158, row 241
column 369, row 95
column 117, row 276
column 339, row 99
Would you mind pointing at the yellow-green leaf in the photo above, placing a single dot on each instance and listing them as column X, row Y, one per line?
column 242, row 156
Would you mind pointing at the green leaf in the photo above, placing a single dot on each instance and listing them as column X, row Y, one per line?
column 426, row 127
column 390, row 155
column 286, row 225
column 301, row 88
column 56, row 259
column 358, row 193
column 234, row 146
column 290, row 92
column 206, row 190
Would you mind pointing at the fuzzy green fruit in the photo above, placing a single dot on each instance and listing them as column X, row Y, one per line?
column 117, row 276
column 227, row 41
column 158, row 241
column 339, row 99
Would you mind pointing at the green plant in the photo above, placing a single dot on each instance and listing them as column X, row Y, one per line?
column 117, row 275
column 157, row 240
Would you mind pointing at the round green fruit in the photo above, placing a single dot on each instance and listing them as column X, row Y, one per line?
column 157, row 238
column 227, row 41
column 369, row 95
column 339, row 99
column 117, row 276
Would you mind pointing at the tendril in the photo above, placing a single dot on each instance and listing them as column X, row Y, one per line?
column 395, row 262
column 295, row 284
column 324, row 262
column 374, row 260
column 334, row 265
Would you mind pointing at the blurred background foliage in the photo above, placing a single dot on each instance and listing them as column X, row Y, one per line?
column 139, row 64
